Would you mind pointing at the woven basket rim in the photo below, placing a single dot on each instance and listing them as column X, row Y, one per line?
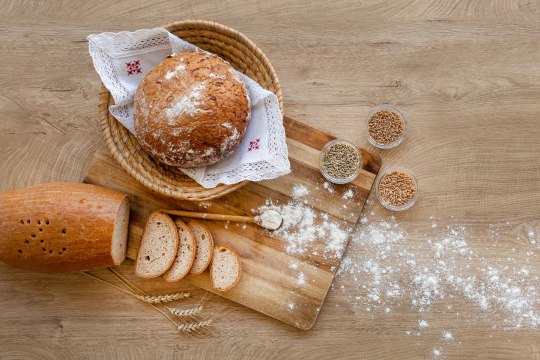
column 117, row 142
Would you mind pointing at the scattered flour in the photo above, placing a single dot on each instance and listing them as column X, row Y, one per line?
column 301, row 280
column 173, row 73
column 384, row 269
column 328, row 187
column 189, row 103
column 347, row 195
column 205, row 204
column 300, row 191
column 301, row 226
column 447, row 336
column 423, row 324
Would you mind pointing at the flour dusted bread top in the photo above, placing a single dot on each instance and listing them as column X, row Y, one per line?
column 191, row 110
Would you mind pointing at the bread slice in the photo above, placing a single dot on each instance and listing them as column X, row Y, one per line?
column 185, row 255
column 159, row 245
column 225, row 269
column 205, row 247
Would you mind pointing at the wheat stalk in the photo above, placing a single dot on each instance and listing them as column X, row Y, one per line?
column 186, row 311
column 186, row 328
column 189, row 328
column 160, row 299
column 150, row 299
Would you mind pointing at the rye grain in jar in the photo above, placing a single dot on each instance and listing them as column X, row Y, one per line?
column 340, row 161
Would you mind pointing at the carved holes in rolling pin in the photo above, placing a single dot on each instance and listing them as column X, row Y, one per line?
column 19, row 251
column 39, row 222
column 27, row 242
column 64, row 231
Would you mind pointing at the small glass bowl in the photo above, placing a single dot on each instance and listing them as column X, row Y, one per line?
column 339, row 180
column 385, row 203
column 391, row 108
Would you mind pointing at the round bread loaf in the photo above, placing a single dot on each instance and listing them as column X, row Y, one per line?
column 191, row 110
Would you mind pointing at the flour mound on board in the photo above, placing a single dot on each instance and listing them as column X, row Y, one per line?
column 269, row 219
column 301, row 227
column 300, row 191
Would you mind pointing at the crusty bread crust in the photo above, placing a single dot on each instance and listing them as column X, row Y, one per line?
column 176, row 240
column 168, row 276
column 191, row 110
column 216, row 250
column 61, row 227
column 196, row 225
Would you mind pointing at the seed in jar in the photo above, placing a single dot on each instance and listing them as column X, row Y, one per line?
column 385, row 127
column 397, row 188
column 341, row 161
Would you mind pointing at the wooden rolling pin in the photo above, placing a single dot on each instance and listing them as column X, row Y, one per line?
column 269, row 219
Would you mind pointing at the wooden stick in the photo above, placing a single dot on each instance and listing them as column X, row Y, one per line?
column 208, row 216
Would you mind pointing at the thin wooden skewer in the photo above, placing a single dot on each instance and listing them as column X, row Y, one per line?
column 208, row 216
column 237, row 218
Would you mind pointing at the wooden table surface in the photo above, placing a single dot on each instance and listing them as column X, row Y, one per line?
column 465, row 73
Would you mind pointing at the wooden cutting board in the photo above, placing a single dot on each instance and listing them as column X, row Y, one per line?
column 269, row 283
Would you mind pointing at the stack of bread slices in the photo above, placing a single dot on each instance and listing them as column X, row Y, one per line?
column 173, row 249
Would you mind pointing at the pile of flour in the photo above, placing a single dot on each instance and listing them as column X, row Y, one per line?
column 302, row 226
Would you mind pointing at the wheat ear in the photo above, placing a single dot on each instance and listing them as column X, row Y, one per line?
column 151, row 299
column 188, row 328
column 160, row 299
column 186, row 311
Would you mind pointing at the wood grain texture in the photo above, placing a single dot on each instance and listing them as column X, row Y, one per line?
column 268, row 284
column 466, row 74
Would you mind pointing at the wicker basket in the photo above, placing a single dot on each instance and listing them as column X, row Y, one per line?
column 232, row 46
